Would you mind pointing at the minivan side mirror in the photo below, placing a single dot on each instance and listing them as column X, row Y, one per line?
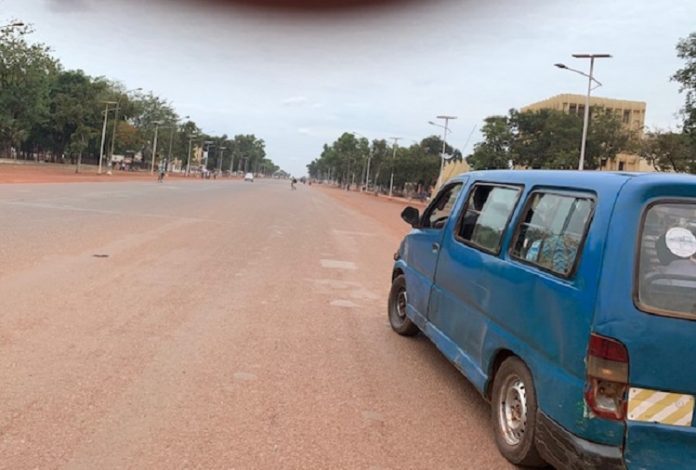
column 411, row 216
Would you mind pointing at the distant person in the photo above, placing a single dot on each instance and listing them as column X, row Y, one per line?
column 160, row 178
column 293, row 182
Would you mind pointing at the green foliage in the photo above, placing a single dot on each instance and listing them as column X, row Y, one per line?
column 670, row 151
column 548, row 139
column 686, row 77
column 26, row 72
column 494, row 151
column 345, row 161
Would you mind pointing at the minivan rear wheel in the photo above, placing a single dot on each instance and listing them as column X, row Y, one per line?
column 398, row 300
column 513, row 412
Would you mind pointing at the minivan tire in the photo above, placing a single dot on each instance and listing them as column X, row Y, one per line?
column 397, row 309
column 513, row 413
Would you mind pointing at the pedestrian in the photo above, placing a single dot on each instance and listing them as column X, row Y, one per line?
column 160, row 178
column 293, row 182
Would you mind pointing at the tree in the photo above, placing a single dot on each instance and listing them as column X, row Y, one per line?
column 686, row 77
column 26, row 71
column 670, row 151
column 606, row 137
column 494, row 151
column 548, row 139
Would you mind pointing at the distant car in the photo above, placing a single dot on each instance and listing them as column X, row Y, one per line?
column 249, row 177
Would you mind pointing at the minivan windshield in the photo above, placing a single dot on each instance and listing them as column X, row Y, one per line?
column 667, row 264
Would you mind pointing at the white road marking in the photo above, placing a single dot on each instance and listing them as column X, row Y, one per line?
column 343, row 303
column 336, row 264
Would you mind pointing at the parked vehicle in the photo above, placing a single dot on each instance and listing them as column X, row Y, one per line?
column 569, row 300
column 249, row 177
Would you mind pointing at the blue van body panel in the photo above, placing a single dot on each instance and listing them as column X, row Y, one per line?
column 660, row 349
column 657, row 446
column 475, row 305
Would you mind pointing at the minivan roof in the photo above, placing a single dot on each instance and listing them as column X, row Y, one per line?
column 590, row 179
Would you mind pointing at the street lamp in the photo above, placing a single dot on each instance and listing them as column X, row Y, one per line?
column 113, row 134
column 586, row 118
column 103, row 137
column 221, row 151
column 391, row 179
column 366, row 182
column 154, row 146
column 446, row 131
column 188, row 157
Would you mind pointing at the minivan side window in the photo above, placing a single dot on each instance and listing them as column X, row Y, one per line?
column 486, row 216
column 439, row 211
column 551, row 231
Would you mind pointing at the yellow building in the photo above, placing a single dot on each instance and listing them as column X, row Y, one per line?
column 630, row 113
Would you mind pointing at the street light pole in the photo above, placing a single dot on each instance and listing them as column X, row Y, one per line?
column 103, row 137
column 391, row 179
column 586, row 117
column 444, row 144
column 113, row 134
column 154, row 146
column 221, row 153
column 188, row 156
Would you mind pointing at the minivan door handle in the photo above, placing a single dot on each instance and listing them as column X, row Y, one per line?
column 436, row 247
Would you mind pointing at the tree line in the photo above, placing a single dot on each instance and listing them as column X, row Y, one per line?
column 54, row 114
column 346, row 161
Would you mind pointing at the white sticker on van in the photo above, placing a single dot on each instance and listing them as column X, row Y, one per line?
column 681, row 242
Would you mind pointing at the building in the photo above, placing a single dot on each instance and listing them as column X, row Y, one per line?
column 631, row 114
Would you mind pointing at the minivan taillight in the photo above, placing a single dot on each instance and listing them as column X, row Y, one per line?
column 607, row 377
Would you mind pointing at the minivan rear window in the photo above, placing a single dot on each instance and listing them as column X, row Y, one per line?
column 666, row 274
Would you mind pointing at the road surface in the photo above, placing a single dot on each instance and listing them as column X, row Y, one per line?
column 216, row 324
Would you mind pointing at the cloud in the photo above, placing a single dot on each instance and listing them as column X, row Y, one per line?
column 305, row 131
column 68, row 6
column 295, row 101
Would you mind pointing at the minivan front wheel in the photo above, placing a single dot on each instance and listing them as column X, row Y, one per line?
column 398, row 300
column 513, row 410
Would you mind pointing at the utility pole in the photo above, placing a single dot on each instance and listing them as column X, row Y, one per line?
column 103, row 137
column 444, row 145
column 169, row 152
column 113, row 134
column 221, row 153
column 154, row 146
column 391, row 179
column 188, row 157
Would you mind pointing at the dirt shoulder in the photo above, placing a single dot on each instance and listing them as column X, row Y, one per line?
column 58, row 173
column 385, row 210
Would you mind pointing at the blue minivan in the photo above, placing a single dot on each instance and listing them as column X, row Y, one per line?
column 569, row 300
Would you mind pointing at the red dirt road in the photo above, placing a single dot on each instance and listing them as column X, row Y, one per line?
column 224, row 325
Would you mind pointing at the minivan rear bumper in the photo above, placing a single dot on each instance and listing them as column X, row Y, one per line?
column 565, row 450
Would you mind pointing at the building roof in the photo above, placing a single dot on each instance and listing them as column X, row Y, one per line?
column 580, row 99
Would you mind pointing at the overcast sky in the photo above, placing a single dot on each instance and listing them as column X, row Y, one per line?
column 299, row 79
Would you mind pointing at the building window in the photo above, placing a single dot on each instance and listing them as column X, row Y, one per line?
column 621, row 166
column 626, row 116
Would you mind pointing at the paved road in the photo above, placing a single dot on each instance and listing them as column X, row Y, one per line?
column 221, row 325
